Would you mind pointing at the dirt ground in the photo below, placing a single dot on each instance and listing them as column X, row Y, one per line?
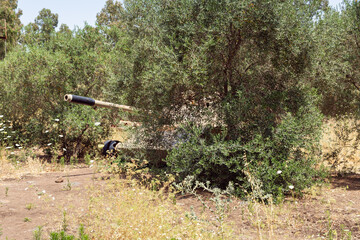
column 33, row 201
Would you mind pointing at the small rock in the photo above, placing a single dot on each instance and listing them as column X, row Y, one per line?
column 59, row 180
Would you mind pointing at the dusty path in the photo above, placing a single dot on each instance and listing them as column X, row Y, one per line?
column 31, row 202
column 36, row 201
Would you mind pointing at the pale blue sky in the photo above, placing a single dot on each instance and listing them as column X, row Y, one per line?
column 335, row 2
column 72, row 12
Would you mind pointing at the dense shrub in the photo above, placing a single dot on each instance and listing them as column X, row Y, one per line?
column 276, row 164
column 35, row 78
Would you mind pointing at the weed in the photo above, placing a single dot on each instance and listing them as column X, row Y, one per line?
column 62, row 161
column 82, row 235
column 67, row 187
column 221, row 199
column 29, row 206
column 64, row 222
column 87, row 159
column 38, row 233
column 41, row 193
column 345, row 234
column 72, row 160
column 27, row 219
column 63, row 236
column 6, row 191
column 331, row 233
column 139, row 171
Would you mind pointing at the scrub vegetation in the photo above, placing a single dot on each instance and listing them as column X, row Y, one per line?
column 243, row 87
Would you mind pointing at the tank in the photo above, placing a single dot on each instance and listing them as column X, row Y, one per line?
column 112, row 147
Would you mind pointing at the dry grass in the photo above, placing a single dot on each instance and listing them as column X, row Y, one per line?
column 340, row 144
column 25, row 162
column 124, row 210
column 12, row 168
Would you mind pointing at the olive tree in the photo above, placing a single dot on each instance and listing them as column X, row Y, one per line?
column 336, row 59
column 10, row 14
column 35, row 78
column 238, row 66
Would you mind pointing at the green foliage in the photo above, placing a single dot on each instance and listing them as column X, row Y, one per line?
column 244, row 58
column 238, row 66
column 35, row 79
column 239, row 75
column 286, row 158
column 42, row 29
column 46, row 22
column 38, row 233
column 10, row 13
column 111, row 14
column 336, row 63
column 62, row 235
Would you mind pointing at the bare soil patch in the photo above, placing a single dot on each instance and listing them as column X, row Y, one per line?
column 34, row 201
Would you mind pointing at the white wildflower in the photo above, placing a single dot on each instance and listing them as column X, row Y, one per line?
column 26, row 189
column 1, row 129
column 39, row 197
column 43, row 191
column 18, row 145
column 279, row 172
column 97, row 124
column 10, row 127
column 56, row 120
column 91, row 161
column 46, row 131
column 8, row 147
column 61, row 135
column 1, row 116
column 53, row 198
column 291, row 187
column 49, row 144
column 64, row 149
column 8, row 136
column 12, row 153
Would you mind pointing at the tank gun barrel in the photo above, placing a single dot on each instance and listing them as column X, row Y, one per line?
column 92, row 102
